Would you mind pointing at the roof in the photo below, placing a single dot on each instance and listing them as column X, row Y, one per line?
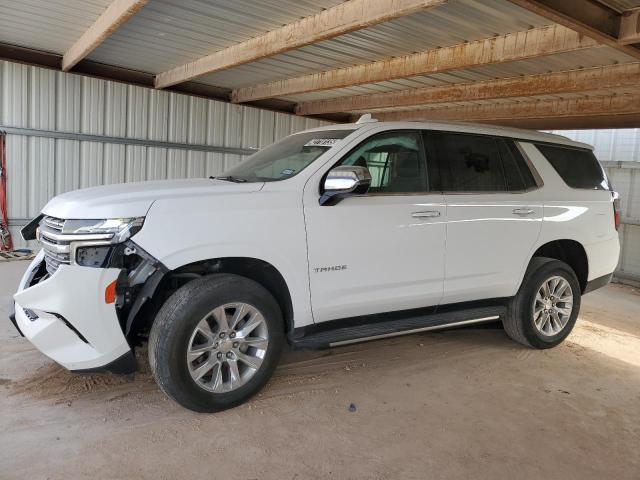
column 464, row 43
column 468, row 127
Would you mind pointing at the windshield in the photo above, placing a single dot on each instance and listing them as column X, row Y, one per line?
column 286, row 158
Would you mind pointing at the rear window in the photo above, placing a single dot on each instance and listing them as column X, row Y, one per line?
column 579, row 168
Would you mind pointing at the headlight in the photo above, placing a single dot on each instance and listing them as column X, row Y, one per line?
column 118, row 229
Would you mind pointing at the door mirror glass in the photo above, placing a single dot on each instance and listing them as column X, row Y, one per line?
column 343, row 181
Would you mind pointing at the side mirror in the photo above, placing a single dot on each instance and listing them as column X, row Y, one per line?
column 344, row 181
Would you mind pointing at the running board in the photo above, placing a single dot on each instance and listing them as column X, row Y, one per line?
column 393, row 328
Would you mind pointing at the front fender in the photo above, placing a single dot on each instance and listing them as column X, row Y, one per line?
column 266, row 227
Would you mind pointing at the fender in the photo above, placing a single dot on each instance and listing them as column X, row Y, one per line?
column 204, row 230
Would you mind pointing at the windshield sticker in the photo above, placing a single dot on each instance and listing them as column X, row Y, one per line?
column 322, row 142
column 287, row 171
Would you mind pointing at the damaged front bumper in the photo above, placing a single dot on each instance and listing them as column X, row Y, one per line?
column 67, row 317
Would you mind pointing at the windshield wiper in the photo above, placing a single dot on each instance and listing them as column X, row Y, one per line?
column 230, row 178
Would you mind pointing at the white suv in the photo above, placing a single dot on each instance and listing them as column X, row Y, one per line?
column 331, row 236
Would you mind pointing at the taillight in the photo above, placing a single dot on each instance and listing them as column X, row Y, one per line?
column 616, row 210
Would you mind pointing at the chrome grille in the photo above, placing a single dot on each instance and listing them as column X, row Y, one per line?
column 54, row 224
column 56, row 250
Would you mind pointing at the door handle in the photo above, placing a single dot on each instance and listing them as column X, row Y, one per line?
column 523, row 211
column 426, row 214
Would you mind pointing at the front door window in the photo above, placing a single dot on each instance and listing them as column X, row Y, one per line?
column 395, row 160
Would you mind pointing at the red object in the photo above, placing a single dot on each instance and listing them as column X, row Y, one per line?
column 110, row 293
column 6, row 244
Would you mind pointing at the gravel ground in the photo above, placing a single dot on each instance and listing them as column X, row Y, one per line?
column 465, row 403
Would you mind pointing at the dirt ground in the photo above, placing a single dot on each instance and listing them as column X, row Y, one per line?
column 466, row 403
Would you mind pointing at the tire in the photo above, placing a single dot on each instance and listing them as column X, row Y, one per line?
column 519, row 323
column 173, row 335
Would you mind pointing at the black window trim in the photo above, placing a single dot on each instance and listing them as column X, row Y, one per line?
column 536, row 176
column 532, row 168
column 435, row 170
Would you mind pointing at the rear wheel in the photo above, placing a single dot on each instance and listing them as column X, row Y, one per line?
column 545, row 309
column 216, row 342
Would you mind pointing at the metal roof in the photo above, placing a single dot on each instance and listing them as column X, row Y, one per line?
column 551, row 63
column 622, row 5
column 455, row 22
column 168, row 33
column 49, row 25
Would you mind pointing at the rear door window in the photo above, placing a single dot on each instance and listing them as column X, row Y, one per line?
column 479, row 163
column 579, row 168
column 468, row 163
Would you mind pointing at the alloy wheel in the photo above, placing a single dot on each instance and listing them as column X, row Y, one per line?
column 552, row 306
column 227, row 347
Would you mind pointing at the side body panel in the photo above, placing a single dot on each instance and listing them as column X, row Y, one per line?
column 489, row 242
column 387, row 259
column 266, row 225
column 585, row 216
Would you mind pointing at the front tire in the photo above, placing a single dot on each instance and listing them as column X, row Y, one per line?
column 545, row 309
column 216, row 342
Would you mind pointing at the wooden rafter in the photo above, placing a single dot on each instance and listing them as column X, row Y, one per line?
column 575, row 81
column 590, row 18
column 630, row 28
column 597, row 105
column 116, row 14
column 343, row 18
column 524, row 45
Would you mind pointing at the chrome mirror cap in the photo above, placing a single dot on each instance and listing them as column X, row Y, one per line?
column 345, row 180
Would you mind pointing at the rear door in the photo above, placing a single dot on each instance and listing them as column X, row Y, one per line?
column 494, row 213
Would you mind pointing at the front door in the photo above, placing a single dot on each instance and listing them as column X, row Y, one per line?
column 383, row 251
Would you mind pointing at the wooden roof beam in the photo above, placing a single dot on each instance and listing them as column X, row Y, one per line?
column 598, row 105
column 574, row 81
column 343, row 18
column 630, row 27
column 590, row 18
column 116, row 14
column 533, row 43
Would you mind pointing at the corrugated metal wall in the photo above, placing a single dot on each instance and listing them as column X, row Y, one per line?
column 40, row 168
column 619, row 150
column 625, row 178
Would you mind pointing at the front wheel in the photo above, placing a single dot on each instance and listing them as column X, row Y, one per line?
column 545, row 309
column 216, row 342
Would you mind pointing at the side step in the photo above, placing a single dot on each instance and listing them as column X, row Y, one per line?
column 392, row 328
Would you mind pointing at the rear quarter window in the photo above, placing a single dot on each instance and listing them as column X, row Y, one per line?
column 579, row 168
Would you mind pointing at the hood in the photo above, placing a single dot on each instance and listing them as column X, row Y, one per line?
column 128, row 200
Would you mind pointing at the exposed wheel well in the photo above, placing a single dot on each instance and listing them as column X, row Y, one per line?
column 257, row 270
column 570, row 252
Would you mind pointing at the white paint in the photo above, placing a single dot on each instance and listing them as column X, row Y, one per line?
column 477, row 247
column 76, row 293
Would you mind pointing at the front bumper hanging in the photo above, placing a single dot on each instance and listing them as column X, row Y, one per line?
column 67, row 318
